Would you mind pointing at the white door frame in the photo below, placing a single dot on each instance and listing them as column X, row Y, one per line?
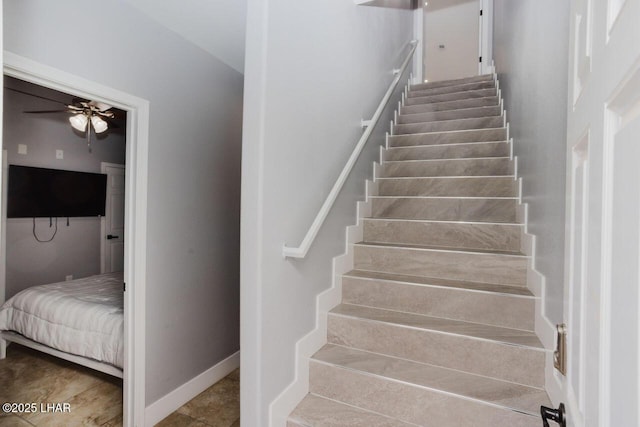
column 135, row 212
column 486, row 37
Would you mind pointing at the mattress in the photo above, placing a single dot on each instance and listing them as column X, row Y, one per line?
column 83, row 317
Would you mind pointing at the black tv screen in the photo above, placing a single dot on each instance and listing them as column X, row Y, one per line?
column 38, row 192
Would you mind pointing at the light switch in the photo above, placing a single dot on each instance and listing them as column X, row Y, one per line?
column 59, row 154
column 22, row 148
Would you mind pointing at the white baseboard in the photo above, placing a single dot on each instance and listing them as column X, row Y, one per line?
column 166, row 405
column 555, row 382
column 286, row 402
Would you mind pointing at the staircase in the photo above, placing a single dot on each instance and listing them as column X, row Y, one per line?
column 436, row 322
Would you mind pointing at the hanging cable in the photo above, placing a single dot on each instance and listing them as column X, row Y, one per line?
column 54, row 233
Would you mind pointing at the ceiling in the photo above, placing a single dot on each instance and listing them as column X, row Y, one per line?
column 217, row 26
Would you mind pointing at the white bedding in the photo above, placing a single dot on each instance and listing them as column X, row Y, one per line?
column 82, row 317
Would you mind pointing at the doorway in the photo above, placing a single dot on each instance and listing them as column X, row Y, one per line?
column 455, row 34
column 135, row 212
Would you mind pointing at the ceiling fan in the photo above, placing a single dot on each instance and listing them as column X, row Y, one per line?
column 86, row 115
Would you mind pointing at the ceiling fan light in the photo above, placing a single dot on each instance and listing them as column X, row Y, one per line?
column 99, row 125
column 79, row 122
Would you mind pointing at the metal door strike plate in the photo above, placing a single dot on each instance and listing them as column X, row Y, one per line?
column 560, row 355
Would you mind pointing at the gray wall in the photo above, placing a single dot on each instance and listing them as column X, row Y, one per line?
column 75, row 249
column 192, row 306
column 313, row 70
column 530, row 49
column 216, row 26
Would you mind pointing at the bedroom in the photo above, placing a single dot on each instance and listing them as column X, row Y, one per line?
column 72, row 250
column 184, row 108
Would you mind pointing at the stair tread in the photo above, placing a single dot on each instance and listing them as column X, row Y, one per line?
column 461, row 120
column 316, row 411
column 451, row 82
column 461, row 87
column 447, row 177
column 444, row 197
column 446, row 186
column 453, row 176
column 452, row 159
column 508, row 336
column 468, row 151
column 449, row 132
column 464, row 120
column 489, row 101
column 411, row 147
column 449, row 137
column 470, row 93
column 453, row 100
column 442, row 248
column 469, row 113
column 442, row 221
column 438, row 282
column 502, row 393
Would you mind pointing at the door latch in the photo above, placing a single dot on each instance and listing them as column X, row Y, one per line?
column 111, row 237
column 560, row 355
column 557, row 415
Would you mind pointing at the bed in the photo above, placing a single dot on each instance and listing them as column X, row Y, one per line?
column 78, row 320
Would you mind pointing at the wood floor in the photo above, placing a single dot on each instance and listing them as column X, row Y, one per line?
column 96, row 399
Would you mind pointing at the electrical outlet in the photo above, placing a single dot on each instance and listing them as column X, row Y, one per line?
column 59, row 154
column 69, row 277
column 22, row 148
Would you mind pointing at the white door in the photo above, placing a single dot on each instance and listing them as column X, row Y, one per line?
column 602, row 298
column 451, row 39
column 112, row 248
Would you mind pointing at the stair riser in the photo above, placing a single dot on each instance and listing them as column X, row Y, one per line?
column 413, row 93
column 523, row 365
column 448, row 125
column 450, row 105
column 480, row 267
column 483, row 93
column 454, row 137
column 451, row 187
column 459, row 304
column 449, row 151
column 456, row 82
column 316, row 411
column 408, row 403
column 462, row 167
column 482, row 210
column 502, row 237
column 437, row 116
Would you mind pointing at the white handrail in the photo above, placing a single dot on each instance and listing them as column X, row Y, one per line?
column 301, row 251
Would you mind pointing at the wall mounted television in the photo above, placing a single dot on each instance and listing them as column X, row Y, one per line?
column 39, row 192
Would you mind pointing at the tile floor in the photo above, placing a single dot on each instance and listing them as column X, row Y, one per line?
column 95, row 398
column 217, row 406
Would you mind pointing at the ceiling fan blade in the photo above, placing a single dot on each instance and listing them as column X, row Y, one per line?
column 47, row 111
column 105, row 114
column 100, row 106
column 36, row 96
